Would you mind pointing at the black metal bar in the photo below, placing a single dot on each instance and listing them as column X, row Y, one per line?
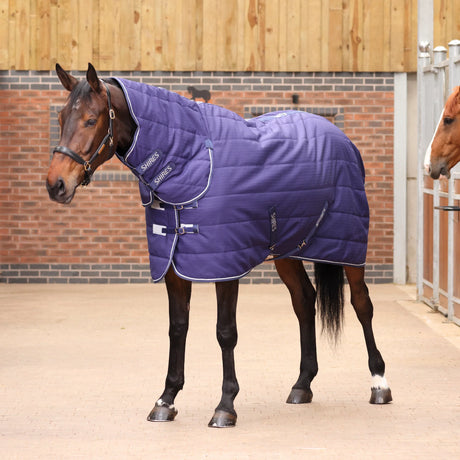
column 448, row 208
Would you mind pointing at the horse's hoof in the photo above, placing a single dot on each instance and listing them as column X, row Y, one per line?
column 299, row 396
column 162, row 412
column 222, row 419
column 380, row 396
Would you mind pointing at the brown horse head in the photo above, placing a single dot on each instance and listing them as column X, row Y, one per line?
column 87, row 141
column 445, row 147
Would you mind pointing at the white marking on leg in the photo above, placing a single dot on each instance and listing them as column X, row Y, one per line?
column 379, row 382
column 161, row 403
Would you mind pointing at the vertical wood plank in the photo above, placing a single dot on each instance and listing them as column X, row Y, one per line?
column 324, row 35
column 147, row 38
column 210, row 11
column 445, row 25
column 346, row 37
column 251, row 32
column 158, row 28
column 128, row 35
column 335, row 44
column 4, row 34
column 304, row 47
column 261, row 50
column 373, row 33
column 356, row 34
column 42, row 36
column 249, row 24
column 22, row 32
column 171, row 15
column 34, row 43
column 396, row 51
column 124, row 36
column 311, row 37
column 75, row 19
column 11, row 43
column 292, row 35
column 107, row 9
column 54, row 35
column 282, row 28
column 95, row 58
column 186, row 43
column 410, row 35
column 455, row 33
column 387, row 18
column 227, row 40
column 241, row 40
column 272, row 37
column 137, row 28
column 85, row 34
column 199, row 24
column 64, row 33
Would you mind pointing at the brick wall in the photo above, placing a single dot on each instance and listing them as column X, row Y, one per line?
column 100, row 237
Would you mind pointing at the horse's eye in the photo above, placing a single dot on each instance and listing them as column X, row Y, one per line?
column 90, row 122
column 448, row 120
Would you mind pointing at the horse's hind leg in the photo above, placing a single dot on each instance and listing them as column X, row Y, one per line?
column 380, row 392
column 179, row 293
column 303, row 297
column 227, row 336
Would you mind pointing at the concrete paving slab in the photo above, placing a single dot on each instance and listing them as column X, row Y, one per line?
column 81, row 367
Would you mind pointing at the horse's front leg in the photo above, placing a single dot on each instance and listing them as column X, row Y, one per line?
column 179, row 293
column 380, row 391
column 227, row 336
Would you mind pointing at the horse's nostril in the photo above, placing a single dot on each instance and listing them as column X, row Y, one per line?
column 57, row 189
column 60, row 187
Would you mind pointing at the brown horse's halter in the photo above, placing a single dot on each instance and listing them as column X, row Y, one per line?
column 108, row 139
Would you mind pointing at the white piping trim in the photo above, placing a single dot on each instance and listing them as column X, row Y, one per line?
column 207, row 280
column 345, row 264
column 131, row 111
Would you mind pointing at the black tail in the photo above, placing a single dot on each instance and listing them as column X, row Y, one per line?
column 329, row 294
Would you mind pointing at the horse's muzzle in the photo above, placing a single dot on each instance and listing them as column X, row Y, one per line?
column 58, row 191
column 438, row 169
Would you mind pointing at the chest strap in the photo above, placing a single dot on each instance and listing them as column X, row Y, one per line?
column 181, row 230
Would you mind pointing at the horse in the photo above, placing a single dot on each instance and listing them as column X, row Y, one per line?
column 99, row 120
column 199, row 93
column 443, row 152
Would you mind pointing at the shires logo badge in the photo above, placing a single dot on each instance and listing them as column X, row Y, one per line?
column 149, row 162
column 163, row 174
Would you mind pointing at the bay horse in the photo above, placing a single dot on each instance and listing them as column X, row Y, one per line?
column 98, row 121
column 443, row 153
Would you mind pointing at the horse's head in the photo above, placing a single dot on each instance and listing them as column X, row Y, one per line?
column 445, row 147
column 86, row 134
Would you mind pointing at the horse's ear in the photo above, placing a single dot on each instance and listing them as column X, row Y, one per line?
column 68, row 81
column 93, row 79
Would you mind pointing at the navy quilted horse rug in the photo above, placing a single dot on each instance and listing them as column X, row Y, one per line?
column 222, row 194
